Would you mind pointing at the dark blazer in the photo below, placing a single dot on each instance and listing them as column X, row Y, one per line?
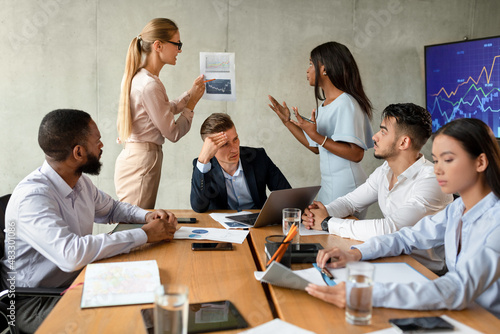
column 208, row 191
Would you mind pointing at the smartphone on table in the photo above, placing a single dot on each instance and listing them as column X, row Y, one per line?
column 211, row 246
column 421, row 325
column 186, row 220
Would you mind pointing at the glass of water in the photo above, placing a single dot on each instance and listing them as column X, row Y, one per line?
column 171, row 309
column 291, row 216
column 359, row 287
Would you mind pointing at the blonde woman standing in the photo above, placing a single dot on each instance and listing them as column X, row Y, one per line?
column 146, row 116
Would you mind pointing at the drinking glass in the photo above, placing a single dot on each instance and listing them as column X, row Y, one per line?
column 171, row 309
column 359, row 287
column 291, row 216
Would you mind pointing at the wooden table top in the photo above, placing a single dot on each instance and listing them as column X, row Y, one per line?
column 210, row 276
column 229, row 275
column 301, row 309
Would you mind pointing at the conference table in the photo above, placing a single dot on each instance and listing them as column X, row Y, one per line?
column 229, row 275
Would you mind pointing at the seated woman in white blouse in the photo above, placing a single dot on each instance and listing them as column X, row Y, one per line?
column 466, row 160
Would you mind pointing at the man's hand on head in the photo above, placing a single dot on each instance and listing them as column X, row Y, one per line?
column 158, row 229
column 211, row 145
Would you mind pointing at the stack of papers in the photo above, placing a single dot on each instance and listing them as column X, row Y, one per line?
column 120, row 283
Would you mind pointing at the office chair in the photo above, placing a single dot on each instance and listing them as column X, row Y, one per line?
column 20, row 292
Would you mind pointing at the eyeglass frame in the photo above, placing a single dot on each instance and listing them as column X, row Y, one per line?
column 178, row 44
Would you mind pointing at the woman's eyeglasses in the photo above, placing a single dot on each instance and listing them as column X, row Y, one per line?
column 179, row 44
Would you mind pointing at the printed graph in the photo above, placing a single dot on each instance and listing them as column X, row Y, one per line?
column 219, row 86
column 217, row 63
column 463, row 81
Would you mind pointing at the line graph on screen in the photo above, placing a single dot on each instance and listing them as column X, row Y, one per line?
column 463, row 81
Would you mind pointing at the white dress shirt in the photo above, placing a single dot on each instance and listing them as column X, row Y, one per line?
column 50, row 226
column 415, row 194
column 474, row 274
column 238, row 193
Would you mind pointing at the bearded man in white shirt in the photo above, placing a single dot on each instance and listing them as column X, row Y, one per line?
column 404, row 186
column 52, row 212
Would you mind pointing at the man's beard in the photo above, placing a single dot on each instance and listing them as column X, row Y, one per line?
column 392, row 152
column 92, row 166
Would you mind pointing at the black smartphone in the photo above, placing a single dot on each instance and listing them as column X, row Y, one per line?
column 186, row 220
column 420, row 324
column 211, row 246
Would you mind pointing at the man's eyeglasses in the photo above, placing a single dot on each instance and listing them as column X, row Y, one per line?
column 179, row 44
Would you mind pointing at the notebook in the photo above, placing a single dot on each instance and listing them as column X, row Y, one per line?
column 275, row 203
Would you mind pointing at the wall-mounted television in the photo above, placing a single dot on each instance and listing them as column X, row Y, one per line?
column 462, row 80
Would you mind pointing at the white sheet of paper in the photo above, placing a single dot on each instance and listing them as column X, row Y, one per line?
column 398, row 272
column 228, row 223
column 304, row 231
column 219, row 66
column 216, row 234
column 277, row 326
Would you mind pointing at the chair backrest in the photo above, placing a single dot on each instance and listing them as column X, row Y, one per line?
column 3, row 207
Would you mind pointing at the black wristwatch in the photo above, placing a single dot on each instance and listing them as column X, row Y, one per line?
column 324, row 223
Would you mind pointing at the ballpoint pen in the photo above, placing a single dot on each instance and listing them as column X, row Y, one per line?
column 327, row 273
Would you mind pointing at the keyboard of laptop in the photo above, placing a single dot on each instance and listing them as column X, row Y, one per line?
column 248, row 219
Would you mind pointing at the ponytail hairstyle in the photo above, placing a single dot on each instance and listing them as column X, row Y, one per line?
column 476, row 137
column 342, row 71
column 158, row 29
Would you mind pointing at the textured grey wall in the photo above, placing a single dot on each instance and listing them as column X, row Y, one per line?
column 71, row 54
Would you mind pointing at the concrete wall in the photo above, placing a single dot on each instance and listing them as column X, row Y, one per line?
column 71, row 54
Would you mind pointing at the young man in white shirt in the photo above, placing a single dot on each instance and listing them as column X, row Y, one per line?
column 404, row 186
column 52, row 211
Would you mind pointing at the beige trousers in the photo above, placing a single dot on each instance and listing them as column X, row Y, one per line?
column 137, row 174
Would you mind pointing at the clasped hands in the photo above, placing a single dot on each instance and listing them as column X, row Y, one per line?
column 160, row 225
column 313, row 215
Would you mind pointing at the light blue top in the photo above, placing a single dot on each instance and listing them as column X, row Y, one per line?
column 474, row 275
column 342, row 120
column 49, row 225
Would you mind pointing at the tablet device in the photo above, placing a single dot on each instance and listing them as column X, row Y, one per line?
column 205, row 317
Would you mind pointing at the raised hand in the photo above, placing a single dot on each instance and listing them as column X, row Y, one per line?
column 281, row 110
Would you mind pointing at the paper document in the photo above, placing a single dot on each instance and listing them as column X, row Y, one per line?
column 229, row 223
column 278, row 274
column 216, row 234
column 219, row 68
column 304, row 231
column 120, row 283
column 277, row 326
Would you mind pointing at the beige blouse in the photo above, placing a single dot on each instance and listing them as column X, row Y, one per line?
column 153, row 115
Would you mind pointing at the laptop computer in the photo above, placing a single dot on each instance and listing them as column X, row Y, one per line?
column 277, row 201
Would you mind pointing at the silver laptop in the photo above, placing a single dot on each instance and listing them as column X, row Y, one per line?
column 275, row 203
